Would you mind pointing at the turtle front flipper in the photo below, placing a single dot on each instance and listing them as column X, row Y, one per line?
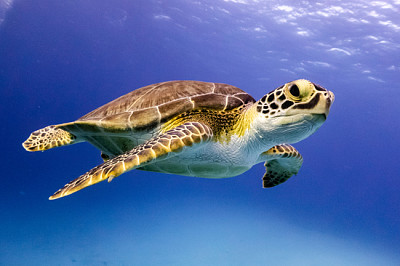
column 161, row 147
column 47, row 138
column 282, row 161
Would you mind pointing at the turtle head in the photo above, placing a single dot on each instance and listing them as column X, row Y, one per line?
column 293, row 111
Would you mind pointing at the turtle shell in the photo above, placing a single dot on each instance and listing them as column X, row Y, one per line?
column 155, row 104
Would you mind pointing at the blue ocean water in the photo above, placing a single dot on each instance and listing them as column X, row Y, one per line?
column 62, row 59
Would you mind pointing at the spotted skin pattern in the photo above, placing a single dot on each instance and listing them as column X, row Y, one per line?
column 47, row 138
column 277, row 101
column 268, row 104
column 168, row 144
column 283, row 161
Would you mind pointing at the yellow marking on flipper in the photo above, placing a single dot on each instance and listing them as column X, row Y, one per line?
column 282, row 162
column 141, row 155
column 282, row 151
column 47, row 138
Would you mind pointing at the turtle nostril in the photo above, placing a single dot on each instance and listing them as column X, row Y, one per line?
column 328, row 102
column 331, row 96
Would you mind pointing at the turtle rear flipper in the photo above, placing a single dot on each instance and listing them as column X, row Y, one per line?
column 161, row 147
column 47, row 138
column 282, row 162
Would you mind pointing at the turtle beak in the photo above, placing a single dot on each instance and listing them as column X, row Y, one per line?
column 329, row 100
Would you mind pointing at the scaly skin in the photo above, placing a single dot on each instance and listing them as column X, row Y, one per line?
column 282, row 162
column 47, row 138
column 168, row 144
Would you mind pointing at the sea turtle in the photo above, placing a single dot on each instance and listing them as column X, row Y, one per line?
column 194, row 128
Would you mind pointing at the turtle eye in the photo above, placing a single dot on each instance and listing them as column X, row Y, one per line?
column 294, row 90
column 299, row 90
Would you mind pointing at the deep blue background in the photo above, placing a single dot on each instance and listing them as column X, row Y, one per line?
column 61, row 59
